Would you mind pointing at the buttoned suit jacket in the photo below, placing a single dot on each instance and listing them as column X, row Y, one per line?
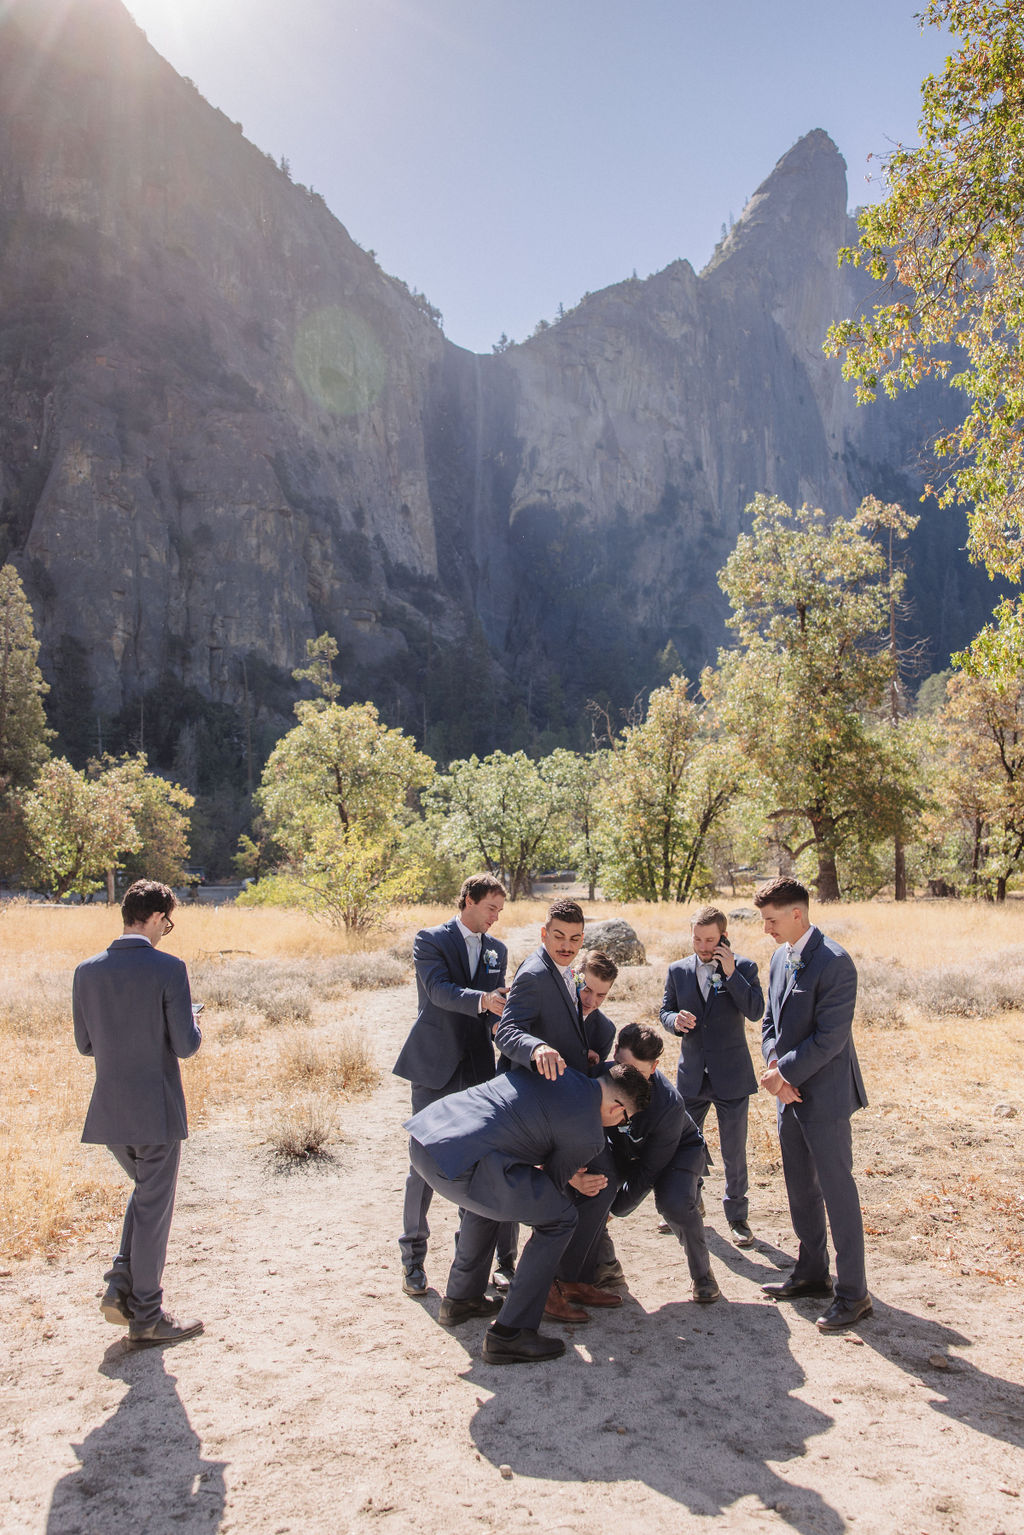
column 518, row 1117
column 652, row 1139
column 539, row 1011
column 808, row 1028
column 717, row 1043
column 450, row 1031
column 132, row 1010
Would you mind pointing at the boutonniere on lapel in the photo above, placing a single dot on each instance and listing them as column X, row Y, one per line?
column 716, row 982
column 794, row 964
column 491, row 960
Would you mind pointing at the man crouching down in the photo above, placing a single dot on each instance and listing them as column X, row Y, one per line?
column 508, row 1150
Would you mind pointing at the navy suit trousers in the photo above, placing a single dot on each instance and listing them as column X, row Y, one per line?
column 517, row 1193
column 137, row 1270
column 817, row 1160
column 415, row 1227
column 732, row 1116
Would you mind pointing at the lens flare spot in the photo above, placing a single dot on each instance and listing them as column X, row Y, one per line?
column 338, row 361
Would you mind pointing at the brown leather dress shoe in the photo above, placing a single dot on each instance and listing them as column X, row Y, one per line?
column 560, row 1310
column 587, row 1294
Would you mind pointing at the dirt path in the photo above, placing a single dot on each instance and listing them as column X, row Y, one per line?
column 320, row 1399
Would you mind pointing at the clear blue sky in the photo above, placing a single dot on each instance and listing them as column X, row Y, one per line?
column 505, row 156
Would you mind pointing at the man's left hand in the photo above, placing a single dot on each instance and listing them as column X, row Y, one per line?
column 588, row 1183
column 775, row 1083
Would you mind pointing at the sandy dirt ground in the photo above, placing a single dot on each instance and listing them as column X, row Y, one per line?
column 320, row 1399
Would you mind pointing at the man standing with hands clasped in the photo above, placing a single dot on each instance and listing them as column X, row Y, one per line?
column 133, row 1015
column 814, row 1074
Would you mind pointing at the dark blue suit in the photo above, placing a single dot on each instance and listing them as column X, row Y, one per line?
column 133, row 1014
column 714, row 1061
column 661, row 1149
column 449, row 1048
column 539, row 1011
column 505, row 1151
column 808, row 1030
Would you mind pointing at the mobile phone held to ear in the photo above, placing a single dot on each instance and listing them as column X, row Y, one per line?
column 718, row 962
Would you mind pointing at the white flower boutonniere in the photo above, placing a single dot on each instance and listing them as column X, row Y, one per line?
column 491, row 959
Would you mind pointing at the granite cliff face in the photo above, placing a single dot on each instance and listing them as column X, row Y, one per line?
column 223, row 429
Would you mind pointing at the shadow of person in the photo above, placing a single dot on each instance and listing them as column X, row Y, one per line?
column 764, row 1262
column 695, row 1406
column 142, row 1469
column 988, row 1403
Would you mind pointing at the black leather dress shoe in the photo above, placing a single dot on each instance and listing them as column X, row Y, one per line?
column 503, row 1276
column 792, row 1289
column 844, row 1313
column 453, row 1312
column 706, row 1290
column 526, row 1347
column 414, row 1280
column 115, row 1307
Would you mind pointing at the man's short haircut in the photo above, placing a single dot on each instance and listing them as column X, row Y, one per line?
column 642, row 1042
column 602, row 964
column 782, row 892
column 567, row 911
column 632, row 1085
column 143, row 899
column 477, row 886
column 709, row 914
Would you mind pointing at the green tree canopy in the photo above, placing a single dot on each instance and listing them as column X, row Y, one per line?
column 949, row 239
column 77, row 827
column 23, row 730
column 504, row 812
column 811, row 602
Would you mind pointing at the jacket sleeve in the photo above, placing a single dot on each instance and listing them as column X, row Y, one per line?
column 182, row 1029
column 834, row 1000
column 769, row 1033
column 522, row 1008
column 669, row 1006
column 434, row 975
column 675, row 1129
column 82, row 1039
column 566, row 1160
column 600, row 1032
column 744, row 988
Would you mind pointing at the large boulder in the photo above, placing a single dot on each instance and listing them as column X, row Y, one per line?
column 617, row 939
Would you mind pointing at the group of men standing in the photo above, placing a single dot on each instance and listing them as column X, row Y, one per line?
column 567, row 1125
column 528, row 1111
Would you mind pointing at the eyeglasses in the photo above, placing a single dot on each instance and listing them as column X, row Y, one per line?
column 169, row 925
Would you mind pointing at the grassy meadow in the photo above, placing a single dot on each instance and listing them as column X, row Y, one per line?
column 940, row 1033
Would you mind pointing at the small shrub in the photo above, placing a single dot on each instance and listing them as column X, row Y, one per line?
column 303, row 1132
column 345, row 1065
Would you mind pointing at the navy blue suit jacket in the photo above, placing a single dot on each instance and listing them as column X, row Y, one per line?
column 133, row 1014
column 645, row 1147
column 717, row 1043
column 600, row 1032
column 808, row 1029
column 450, row 1031
column 521, row 1117
column 539, row 1011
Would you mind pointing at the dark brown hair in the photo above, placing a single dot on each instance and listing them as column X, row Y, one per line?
column 143, row 899
column 477, row 886
column 643, row 1042
column 709, row 914
column 782, row 892
column 633, row 1085
column 565, row 910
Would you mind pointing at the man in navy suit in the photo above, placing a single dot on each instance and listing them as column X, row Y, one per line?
column 460, row 985
column 596, row 977
column 543, row 1027
column 659, row 1150
column 707, row 997
column 133, row 1014
column 511, row 1150
column 812, row 1070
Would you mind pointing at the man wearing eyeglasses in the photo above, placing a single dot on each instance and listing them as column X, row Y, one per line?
column 133, row 1014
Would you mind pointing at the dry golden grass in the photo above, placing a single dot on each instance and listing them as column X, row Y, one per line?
column 940, row 1033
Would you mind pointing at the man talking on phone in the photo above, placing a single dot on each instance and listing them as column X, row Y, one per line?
column 707, row 997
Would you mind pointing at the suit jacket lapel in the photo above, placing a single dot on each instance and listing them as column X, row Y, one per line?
column 458, row 950
column 559, row 980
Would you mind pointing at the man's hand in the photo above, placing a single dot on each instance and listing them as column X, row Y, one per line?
column 593, row 1057
column 685, row 1021
column 775, row 1083
column 494, row 1001
column 548, row 1062
column 588, row 1183
column 726, row 958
